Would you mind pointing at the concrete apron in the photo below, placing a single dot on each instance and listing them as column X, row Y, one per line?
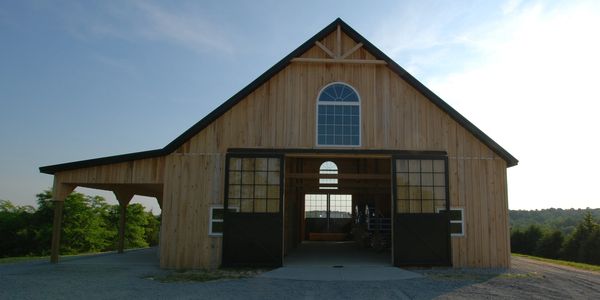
column 338, row 261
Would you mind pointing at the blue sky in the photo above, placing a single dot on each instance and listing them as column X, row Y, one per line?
column 86, row 79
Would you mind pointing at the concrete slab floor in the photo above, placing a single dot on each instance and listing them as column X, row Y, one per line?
column 348, row 253
column 338, row 261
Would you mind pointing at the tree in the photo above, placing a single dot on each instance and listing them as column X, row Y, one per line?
column 550, row 245
column 135, row 229
column 89, row 225
column 84, row 228
column 591, row 247
column 42, row 222
column 517, row 241
column 575, row 247
column 17, row 235
column 152, row 229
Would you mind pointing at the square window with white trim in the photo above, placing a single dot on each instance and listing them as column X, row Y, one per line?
column 215, row 221
column 457, row 221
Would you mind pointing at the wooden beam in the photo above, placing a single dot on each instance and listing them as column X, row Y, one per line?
column 60, row 191
column 339, row 41
column 124, row 195
column 140, row 189
column 352, row 50
column 324, row 48
column 339, row 61
column 334, row 156
column 367, row 188
column 357, row 176
column 159, row 200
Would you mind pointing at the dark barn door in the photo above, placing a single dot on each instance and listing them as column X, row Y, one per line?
column 253, row 224
column 421, row 223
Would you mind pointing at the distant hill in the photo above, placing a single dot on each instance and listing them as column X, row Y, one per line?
column 564, row 220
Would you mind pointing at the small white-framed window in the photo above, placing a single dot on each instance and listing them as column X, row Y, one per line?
column 457, row 221
column 215, row 220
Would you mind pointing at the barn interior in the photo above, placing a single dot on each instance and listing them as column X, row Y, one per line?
column 337, row 210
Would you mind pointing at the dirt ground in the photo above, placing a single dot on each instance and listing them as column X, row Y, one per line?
column 531, row 279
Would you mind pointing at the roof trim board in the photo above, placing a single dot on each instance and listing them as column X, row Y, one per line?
column 208, row 119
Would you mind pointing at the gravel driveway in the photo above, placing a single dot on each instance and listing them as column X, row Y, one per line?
column 113, row 276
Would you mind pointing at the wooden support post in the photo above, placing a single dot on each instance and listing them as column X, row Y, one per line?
column 56, row 228
column 123, row 197
column 122, row 220
column 59, row 193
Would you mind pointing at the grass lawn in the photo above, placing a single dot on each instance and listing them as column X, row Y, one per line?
column 10, row 260
column 576, row 265
column 17, row 259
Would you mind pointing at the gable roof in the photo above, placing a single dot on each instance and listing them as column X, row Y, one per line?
column 208, row 119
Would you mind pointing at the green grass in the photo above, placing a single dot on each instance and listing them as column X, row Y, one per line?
column 572, row 264
column 461, row 276
column 206, row 275
column 18, row 259
column 519, row 275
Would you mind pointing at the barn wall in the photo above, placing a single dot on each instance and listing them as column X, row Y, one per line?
column 193, row 182
column 281, row 114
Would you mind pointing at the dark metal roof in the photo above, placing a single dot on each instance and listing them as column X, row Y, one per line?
column 176, row 143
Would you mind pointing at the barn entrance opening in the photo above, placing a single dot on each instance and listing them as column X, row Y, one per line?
column 338, row 210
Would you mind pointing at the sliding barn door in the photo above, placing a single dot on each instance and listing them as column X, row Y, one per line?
column 421, row 223
column 253, row 223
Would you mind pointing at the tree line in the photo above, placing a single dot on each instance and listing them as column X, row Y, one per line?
column 582, row 244
column 564, row 220
column 90, row 224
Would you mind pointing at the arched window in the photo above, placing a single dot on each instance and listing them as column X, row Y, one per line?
column 338, row 116
column 329, row 168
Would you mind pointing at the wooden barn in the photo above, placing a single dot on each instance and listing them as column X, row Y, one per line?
column 334, row 142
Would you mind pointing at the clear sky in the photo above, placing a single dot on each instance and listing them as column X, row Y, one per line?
column 87, row 79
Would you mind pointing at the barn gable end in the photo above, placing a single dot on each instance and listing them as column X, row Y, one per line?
column 278, row 112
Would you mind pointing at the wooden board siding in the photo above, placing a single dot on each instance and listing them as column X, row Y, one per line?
column 142, row 177
column 281, row 114
column 192, row 184
column 144, row 171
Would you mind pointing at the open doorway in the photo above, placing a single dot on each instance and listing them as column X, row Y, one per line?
column 338, row 210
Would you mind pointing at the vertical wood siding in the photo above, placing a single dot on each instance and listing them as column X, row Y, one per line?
column 193, row 182
column 281, row 114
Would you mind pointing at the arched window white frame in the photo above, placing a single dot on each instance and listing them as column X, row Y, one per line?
column 338, row 116
column 329, row 168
